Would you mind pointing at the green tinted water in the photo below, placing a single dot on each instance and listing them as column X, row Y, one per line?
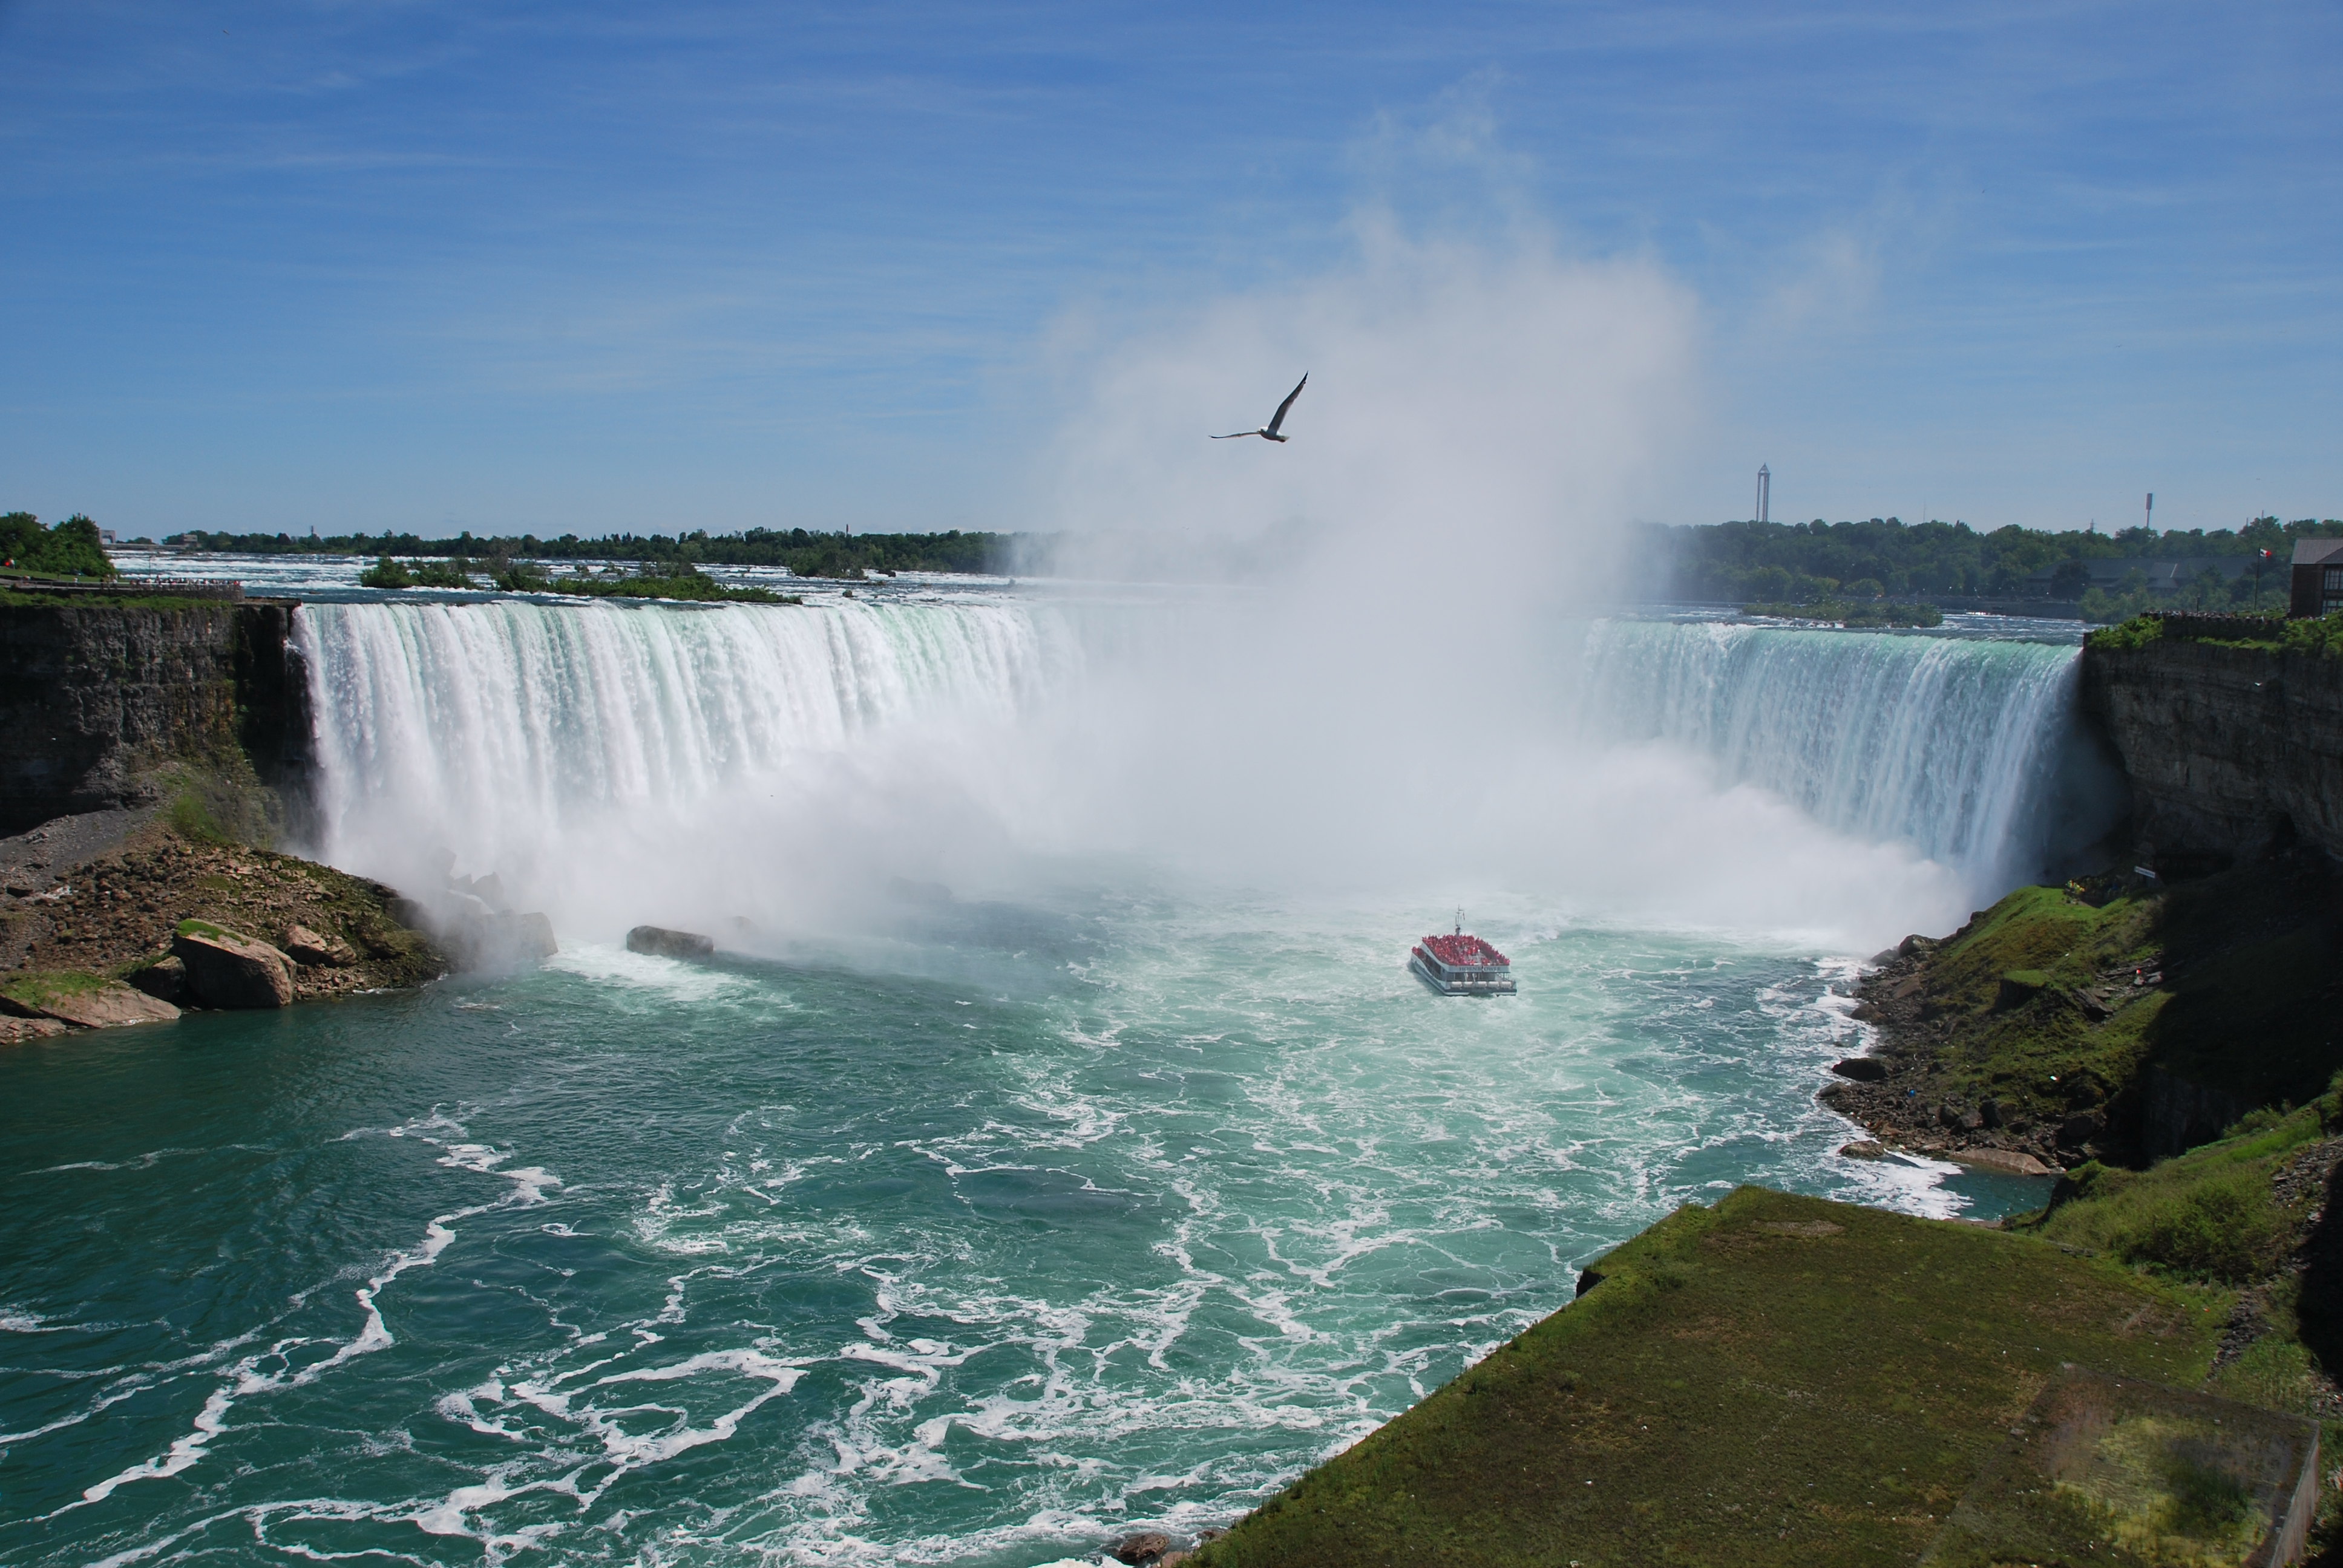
column 1024, row 1227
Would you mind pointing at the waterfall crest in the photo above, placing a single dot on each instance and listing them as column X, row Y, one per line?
column 1959, row 748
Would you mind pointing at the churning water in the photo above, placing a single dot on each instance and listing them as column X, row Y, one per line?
column 988, row 1219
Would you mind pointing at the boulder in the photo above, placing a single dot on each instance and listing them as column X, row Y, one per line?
column 1861, row 1069
column 305, row 946
column 109, row 1006
column 1864, row 1148
column 225, row 970
column 166, row 977
column 2009, row 1161
column 662, row 942
column 18, row 1030
column 2078, row 1131
column 1141, row 1550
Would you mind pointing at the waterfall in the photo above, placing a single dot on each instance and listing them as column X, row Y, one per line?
column 620, row 762
column 513, row 728
column 1964, row 749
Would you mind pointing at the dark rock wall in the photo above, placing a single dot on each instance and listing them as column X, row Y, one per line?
column 2231, row 751
column 92, row 695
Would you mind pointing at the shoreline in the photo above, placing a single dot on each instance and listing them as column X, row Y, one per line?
column 115, row 918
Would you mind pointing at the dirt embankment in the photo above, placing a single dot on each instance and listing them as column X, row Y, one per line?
column 86, row 900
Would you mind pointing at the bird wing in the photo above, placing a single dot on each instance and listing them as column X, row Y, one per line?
column 1280, row 417
column 1237, row 435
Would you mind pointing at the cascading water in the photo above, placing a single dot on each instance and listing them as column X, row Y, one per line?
column 517, row 735
column 1057, row 1219
column 1953, row 746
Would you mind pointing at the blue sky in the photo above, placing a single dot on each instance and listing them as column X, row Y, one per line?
column 588, row 266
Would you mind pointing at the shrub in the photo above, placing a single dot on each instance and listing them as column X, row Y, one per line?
column 2137, row 632
column 2220, row 1228
column 2323, row 636
column 72, row 549
column 386, row 573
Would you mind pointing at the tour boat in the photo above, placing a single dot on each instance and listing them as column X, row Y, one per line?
column 1461, row 965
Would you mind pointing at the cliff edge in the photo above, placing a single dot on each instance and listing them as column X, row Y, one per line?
column 2230, row 729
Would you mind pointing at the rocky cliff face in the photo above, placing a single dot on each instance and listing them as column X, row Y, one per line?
column 2231, row 751
column 95, row 697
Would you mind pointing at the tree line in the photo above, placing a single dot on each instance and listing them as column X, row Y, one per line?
column 1802, row 562
column 807, row 554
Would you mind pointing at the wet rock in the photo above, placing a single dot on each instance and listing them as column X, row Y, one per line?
column 225, row 970
column 1861, row 1069
column 20, row 1030
column 1865, row 1012
column 164, row 978
column 1864, row 1148
column 1142, row 1550
column 318, row 949
column 660, row 942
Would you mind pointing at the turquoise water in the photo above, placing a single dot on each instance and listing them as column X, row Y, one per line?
column 943, row 1230
column 994, row 1234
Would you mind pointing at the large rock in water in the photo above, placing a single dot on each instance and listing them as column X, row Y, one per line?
column 225, row 970
column 101, row 1006
column 662, row 942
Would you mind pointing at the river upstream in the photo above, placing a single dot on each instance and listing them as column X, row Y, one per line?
column 1058, row 1144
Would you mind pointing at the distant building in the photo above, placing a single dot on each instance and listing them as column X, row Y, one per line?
column 2317, row 577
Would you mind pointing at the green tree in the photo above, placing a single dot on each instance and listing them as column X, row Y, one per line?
column 72, row 549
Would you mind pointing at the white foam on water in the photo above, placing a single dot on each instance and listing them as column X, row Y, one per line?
column 253, row 1375
column 658, row 982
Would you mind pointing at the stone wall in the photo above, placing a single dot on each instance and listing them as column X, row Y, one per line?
column 93, row 696
column 2231, row 751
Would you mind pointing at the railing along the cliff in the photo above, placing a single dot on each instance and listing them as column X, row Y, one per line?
column 2197, row 626
column 175, row 587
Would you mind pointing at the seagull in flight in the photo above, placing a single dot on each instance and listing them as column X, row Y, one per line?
column 1268, row 432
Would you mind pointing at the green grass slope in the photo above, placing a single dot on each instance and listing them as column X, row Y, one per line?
column 2158, row 1013
column 1777, row 1380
